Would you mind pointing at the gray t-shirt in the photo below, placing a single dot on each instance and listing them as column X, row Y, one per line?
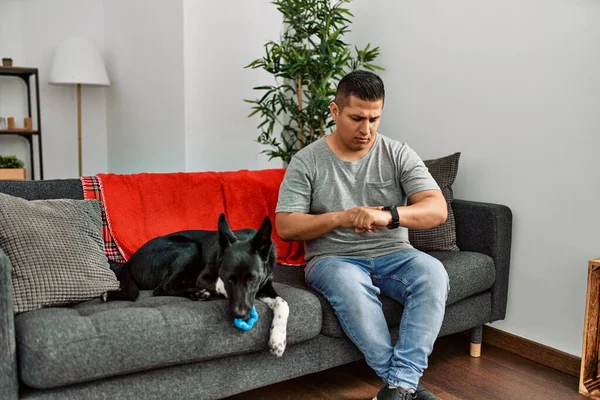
column 317, row 181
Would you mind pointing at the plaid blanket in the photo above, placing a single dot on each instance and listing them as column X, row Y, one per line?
column 245, row 196
column 91, row 191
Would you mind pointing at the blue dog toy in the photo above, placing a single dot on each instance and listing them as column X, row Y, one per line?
column 249, row 323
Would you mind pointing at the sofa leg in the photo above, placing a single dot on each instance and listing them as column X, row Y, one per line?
column 476, row 339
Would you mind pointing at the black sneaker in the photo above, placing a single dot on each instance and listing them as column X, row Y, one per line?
column 394, row 394
column 424, row 394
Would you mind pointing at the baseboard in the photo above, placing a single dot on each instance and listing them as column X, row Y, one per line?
column 531, row 350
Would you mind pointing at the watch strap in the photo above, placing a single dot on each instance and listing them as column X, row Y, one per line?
column 395, row 217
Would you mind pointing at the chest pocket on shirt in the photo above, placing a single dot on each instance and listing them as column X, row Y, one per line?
column 383, row 193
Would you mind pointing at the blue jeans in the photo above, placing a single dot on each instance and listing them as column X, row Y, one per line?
column 410, row 277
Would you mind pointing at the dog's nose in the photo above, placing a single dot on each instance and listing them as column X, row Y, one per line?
column 240, row 312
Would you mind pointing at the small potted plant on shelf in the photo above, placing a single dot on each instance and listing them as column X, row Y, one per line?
column 11, row 168
column 7, row 62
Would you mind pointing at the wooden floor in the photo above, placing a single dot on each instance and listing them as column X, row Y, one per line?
column 452, row 375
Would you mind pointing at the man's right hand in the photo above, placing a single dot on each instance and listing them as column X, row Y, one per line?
column 365, row 219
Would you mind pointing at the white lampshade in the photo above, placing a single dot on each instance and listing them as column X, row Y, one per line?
column 77, row 60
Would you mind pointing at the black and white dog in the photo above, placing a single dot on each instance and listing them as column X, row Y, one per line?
column 199, row 264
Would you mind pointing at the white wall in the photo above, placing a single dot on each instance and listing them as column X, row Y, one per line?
column 515, row 86
column 26, row 37
column 177, row 83
column 221, row 37
column 145, row 103
column 176, row 103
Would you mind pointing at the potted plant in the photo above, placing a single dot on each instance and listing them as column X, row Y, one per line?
column 7, row 62
column 306, row 64
column 11, row 168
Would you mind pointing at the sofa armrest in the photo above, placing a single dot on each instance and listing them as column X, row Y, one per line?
column 9, row 385
column 487, row 228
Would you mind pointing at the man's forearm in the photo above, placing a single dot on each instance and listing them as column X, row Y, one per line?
column 427, row 211
column 300, row 226
column 426, row 214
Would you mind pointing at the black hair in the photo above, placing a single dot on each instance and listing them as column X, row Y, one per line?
column 363, row 84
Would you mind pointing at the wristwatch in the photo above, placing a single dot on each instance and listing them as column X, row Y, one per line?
column 395, row 217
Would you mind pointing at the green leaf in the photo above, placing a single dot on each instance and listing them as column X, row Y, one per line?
column 311, row 48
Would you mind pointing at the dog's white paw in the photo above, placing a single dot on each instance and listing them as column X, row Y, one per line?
column 104, row 297
column 200, row 294
column 277, row 346
column 278, row 338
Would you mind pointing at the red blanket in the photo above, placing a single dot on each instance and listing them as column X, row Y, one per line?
column 249, row 197
column 140, row 207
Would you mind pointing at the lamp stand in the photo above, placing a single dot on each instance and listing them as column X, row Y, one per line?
column 79, row 127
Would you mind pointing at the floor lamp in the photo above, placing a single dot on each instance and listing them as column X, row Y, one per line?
column 78, row 62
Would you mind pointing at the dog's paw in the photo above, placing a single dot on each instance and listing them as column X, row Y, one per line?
column 277, row 341
column 277, row 347
column 281, row 311
column 200, row 294
column 104, row 297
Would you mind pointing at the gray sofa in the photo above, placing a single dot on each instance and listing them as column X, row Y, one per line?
column 173, row 348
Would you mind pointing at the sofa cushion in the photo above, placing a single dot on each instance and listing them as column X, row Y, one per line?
column 442, row 237
column 94, row 340
column 43, row 190
column 56, row 251
column 470, row 273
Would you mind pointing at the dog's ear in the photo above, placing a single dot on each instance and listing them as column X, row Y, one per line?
column 226, row 237
column 261, row 242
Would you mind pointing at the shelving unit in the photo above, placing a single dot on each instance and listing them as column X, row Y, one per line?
column 589, row 377
column 27, row 75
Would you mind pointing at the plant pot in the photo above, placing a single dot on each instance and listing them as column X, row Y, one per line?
column 12, row 174
column 7, row 62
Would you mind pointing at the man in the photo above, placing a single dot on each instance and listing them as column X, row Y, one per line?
column 345, row 195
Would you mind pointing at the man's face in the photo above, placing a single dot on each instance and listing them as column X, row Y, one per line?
column 357, row 122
